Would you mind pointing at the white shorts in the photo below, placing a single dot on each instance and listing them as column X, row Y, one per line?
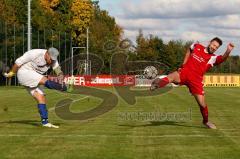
column 33, row 90
column 29, row 78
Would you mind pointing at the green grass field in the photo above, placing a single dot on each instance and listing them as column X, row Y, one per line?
column 108, row 137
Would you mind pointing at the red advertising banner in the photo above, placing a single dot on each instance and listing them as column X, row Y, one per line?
column 99, row 80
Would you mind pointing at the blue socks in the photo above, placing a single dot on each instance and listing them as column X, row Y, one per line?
column 43, row 113
column 42, row 107
column 54, row 85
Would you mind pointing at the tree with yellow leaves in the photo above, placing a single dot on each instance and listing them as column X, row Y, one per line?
column 49, row 5
column 68, row 15
column 82, row 13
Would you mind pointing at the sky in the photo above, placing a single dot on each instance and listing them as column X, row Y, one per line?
column 179, row 19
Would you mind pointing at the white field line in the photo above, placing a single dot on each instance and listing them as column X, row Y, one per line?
column 116, row 136
column 53, row 108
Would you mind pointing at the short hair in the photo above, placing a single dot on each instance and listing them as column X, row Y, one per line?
column 217, row 39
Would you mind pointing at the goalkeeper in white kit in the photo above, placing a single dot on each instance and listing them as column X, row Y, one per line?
column 30, row 68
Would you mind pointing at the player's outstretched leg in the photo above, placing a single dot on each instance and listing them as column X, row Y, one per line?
column 159, row 83
column 204, row 111
column 42, row 109
column 162, row 82
column 53, row 85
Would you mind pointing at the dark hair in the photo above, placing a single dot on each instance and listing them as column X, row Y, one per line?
column 217, row 39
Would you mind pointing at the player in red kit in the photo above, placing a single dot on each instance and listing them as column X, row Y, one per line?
column 198, row 60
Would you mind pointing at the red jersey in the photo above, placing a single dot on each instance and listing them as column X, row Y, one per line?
column 200, row 61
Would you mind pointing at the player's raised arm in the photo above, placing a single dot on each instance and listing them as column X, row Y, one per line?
column 221, row 58
column 230, row 47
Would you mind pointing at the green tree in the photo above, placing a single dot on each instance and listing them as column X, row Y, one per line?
column 103, row 29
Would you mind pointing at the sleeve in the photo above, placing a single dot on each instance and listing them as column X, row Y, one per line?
column 215, row 60
column 193, row 46
column 27, row 57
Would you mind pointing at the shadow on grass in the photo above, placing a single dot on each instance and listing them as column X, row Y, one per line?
column 25, row 122
column 158, row 123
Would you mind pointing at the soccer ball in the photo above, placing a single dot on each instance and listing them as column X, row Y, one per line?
column 150, row 72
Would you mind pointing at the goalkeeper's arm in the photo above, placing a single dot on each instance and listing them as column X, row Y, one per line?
column 13, row 71
column 26, row 57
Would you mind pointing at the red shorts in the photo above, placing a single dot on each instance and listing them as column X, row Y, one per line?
column 192, row 81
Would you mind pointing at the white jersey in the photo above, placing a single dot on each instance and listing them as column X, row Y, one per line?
column 34, row 60
column 32, row 65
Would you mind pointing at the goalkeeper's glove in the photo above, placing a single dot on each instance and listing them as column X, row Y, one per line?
column 9, row 75
column 59, row 73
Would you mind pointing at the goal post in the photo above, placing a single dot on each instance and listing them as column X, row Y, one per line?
column 83, row 66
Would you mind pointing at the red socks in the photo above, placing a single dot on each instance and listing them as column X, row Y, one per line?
column 204, row 111
column 164, row 81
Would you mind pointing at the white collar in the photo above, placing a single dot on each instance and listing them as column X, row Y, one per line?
column 205, row 50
